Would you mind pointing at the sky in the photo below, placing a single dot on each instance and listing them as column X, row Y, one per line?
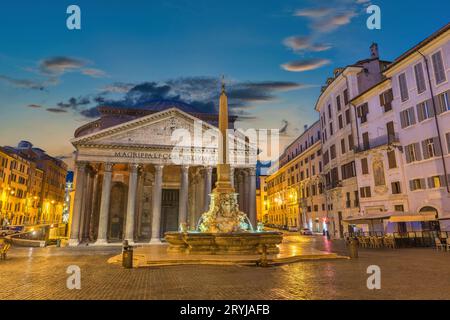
column 275, row 55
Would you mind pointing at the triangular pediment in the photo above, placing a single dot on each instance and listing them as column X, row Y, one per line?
column 158, row 129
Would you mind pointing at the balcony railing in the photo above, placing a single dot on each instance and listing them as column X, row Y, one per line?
column 378, row 142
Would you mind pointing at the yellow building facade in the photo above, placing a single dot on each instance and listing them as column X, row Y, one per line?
column 295, row 188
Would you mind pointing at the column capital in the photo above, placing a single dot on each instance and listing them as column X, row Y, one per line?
column 108, row 166
column 81, row 165
column 208, row 169
column 251, row 171
column 158, row 167
column 184, row 168
column 134, row 167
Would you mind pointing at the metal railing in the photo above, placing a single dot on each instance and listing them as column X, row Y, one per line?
column 379, row 141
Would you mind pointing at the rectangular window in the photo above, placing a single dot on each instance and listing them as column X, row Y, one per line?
column 399, row 208
column 442, row 103
column 407, row 117
column 363, row 110
column 364, row 166
column 340, row 121
column 366, row 142
column 338, row 102
column 424, row 110
column 438, row 66
column 386, row 99
column 412, row 153
column 348, row 170
column 333, row 152
column 420, row 78
column 431, row 148
column 346, row 98
column 347, row 116
column 331, row 129
column 396, row 188
column 436, row 182
column 391, row 159
column 391, row 132
column 343, row 146
column 365, row 192
column 417, row 184
column 326, row 158
column 351, row 145
column 403, row 87
column 329, row 112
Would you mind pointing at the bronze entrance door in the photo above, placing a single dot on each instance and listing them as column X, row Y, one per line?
column 169, row 211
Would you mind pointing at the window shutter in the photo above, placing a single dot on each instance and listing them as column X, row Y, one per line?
column 437, row 147
column 425, row 150
column 422, row 183
column 438, row 67
column 429, row 106
column 412, row 116
column 420, row 112
column 402, row 119
column 403, row 87
column 430, row 183
column 420, row 80
column 407, row 154
column 382, row 102
column 411, row 185
column 417, row 151
column 448, row 142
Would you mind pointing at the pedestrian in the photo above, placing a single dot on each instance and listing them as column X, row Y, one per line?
column 328, row 235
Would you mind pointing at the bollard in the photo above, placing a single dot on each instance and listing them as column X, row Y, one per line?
column 353, row 248
column 127, row 255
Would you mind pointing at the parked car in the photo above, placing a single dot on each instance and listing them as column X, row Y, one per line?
column 293, row 229
column 306, row 232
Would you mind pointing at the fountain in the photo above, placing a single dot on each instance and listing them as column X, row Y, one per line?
column 223, row 229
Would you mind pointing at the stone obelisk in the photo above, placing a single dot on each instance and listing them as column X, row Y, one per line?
column 223, row 184
column 223, row 215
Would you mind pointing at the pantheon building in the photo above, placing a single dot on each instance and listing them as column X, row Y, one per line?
column 128, row 184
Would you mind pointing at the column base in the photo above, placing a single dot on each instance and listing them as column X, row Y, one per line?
column 155, row 241
column 73, row 243
column 100, row 242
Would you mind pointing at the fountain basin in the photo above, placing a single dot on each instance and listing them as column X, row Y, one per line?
column 236, row 243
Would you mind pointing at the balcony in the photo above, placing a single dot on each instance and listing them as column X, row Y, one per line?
column 377, row 142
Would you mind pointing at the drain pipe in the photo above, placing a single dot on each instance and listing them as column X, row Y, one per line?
column 436, row 121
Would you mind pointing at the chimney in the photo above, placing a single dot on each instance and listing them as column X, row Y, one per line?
column 374, row 50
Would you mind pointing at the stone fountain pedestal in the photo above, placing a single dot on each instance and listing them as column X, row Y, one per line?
column 224, row 230
column 236, row 243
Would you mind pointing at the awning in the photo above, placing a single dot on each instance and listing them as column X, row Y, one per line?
column 413, row 217
column 393, row 217
column 368, row 218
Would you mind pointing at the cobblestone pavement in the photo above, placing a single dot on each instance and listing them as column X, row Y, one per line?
column 405, row 274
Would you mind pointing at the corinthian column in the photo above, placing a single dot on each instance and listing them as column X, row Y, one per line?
column 104, row 205
column 78, row 204
column 184, row 189
column 252, row 196
column 156, row 205
column 131, row 205
column 208, row 186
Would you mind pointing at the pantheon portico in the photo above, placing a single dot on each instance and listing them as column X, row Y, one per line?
column 129, row 186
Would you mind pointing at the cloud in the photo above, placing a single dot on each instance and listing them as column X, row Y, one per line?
column 313, row 12
column 94, row 73
column 196, row 94
column 74, row 103
column 57, row 66
column 334, row 22
column 25, row 83
column 56, row 110
column 60, row 65
column 305, row 65
column 302, row 43
column 35, row 106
